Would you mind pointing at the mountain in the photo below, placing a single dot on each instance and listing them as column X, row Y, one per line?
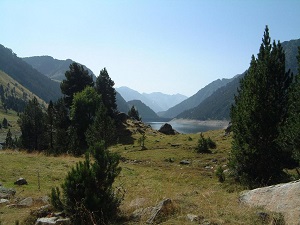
column 196, row 99
column 165, row 101
column 145, row 111
column 122, row 105
column 130, row 94
column 13, row 95
column 26, row 75
column 52, row 68
column 217, row 106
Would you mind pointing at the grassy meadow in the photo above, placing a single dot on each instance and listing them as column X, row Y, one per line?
column 148, row 176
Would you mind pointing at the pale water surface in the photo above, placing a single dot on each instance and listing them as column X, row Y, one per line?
column 189, row 127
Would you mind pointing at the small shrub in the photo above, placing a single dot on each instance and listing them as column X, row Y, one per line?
column 220, row 174
column 202, row 146
column 211, row 144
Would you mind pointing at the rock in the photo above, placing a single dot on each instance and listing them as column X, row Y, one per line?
column 185, row 162
column 53, row 220
column 163, row 209
column 27, row 202
column 20, row 181
column 281, row 198
column 6, row 192
column 192, row 217
column 167, row 129
column 137, row 203
column 3, row 201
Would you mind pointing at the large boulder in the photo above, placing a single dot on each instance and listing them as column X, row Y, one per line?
column 6, row 193
column 21, row 181
column 167, row 129
column 281, row 198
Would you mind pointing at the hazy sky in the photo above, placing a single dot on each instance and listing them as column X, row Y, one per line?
column 170, row 46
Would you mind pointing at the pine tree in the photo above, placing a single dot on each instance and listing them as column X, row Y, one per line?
column 103, row 128
column 9, row 143
column 88, row 195
column 291, row 132
column 258, row 116
column 105, row 87
column 134, row 113
column 77, row 78
column 32, row 124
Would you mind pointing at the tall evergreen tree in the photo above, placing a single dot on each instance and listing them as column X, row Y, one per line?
column 83, row 110
column 77, row 78
column 291, row 132
column 105, row 87
column 32, row 123
column 258, row 116
column 50, row 124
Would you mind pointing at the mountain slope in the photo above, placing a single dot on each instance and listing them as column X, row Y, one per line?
column 196, row 99
column 13, row 95
column 52, row 68
column 122, row 105
column 145, row 111
column 217, row 106
column 130, row 94
column 27, row 76
column 165, row 101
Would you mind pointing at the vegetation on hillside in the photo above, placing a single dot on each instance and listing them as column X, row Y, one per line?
column 30, row 78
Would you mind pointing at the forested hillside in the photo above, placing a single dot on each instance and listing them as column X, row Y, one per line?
column 196, row 99
column 145, row 112
column 13, row 95
column 52, row 68
column 27, row 76
column 217, row 106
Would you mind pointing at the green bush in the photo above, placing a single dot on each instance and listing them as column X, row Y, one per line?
column 204, row 145
column 220, row 174
column 88, row 196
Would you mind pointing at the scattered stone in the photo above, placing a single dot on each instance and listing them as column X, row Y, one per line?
column 192, row 217
column 27, row 202
column 185, row 162
column 6, row 193
column 137, row 203
column 170, row 160
column 263, row 216
column 280, row 198
column 21, row 181
column 53, row 220
column 3, row 201
column 164, row 208
column 167, row 129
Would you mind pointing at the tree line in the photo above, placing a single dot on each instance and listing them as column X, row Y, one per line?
column 86, row 114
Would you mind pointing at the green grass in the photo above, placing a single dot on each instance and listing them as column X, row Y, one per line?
column 146, row 174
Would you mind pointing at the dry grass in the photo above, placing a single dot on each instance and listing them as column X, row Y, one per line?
column 148, row 176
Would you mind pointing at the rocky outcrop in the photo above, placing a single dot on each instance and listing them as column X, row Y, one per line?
column 167, row 129
column 6, row 193
column 281, row 198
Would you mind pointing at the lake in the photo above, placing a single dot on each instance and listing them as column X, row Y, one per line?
column 191, row 126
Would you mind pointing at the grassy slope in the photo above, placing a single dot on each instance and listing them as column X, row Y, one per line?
column 12, row 116
column 145, row 174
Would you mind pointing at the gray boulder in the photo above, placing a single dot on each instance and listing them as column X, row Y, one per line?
column 167, row 129
column 6, row 193
column 281, row 198
column 21, row 181
column 53, row 220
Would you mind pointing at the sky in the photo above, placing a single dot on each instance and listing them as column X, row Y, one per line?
column 168, row 46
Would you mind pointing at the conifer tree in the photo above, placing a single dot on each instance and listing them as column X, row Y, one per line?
column 258, row 116
column 88, row 196
column 77, row 78
column 105, row 87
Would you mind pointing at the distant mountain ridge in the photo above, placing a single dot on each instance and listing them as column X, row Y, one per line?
column 52, row 68
column 26, row 75
column 157, row 101
column 217, row 106
column 196, row 99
